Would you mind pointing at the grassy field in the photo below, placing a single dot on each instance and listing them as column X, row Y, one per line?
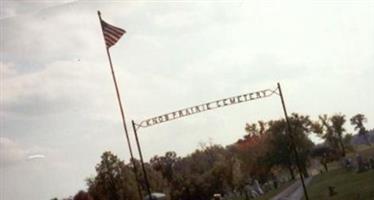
column 349, row 185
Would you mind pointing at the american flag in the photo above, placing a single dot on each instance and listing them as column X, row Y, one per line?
column 111, row 33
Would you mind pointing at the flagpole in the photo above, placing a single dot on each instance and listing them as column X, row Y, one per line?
column 141, row 160
column 290, row 134
column 122, row 111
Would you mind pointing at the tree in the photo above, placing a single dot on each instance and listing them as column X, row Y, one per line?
column 337, row 123
column 165, row 164
column 265, row 148
column 358, row 121
column 301, row 127
column 325, row 154
column 280, row 148
column 280, row 153
column 114, row 180
column 253, row 129
column 347, row 141
column 325, row 130
column 82, row 195
column 251, row 150
column 204, row 172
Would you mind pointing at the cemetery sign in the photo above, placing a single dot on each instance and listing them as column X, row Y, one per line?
column 205, row 107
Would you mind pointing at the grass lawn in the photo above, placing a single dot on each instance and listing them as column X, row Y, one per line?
column 349, row 185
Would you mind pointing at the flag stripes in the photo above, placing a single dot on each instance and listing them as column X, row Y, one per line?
column 111, row 33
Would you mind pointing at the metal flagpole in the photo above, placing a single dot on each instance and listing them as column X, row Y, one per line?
column 141, row 160
column 292, row 142
column 122, row 110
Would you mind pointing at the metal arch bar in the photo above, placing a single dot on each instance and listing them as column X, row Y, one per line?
column 206, row 107
column 137, row 126
column 276, row 91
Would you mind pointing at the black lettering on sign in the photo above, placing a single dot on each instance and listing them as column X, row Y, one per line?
column 197, row 109
column 258, row 95
column 251, row 96
column 174, row 115
column 238, row 98
column 264, row 93
column 160, row 119
column 148, row 122
column 232, row 100
column 180, row 113
column 224, row 102
column 246, row 97
column 208, row 106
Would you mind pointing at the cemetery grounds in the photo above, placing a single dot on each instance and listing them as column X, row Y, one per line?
column 349, row 185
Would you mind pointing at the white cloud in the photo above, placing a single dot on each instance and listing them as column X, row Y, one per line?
column 13, row 153
column 12, row 8
column 20, row 162
column 10, row 152
column 35, row 156
column 57, row 90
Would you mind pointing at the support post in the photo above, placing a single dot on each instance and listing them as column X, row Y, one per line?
column 290, row 134
column 141, row 161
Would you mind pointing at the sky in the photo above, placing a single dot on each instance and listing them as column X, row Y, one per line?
column 59, row 111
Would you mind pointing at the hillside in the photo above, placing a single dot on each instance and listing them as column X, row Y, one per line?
column 358, row 139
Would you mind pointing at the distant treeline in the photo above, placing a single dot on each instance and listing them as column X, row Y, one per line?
column 263, row 153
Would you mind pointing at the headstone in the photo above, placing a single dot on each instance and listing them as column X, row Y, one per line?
column 275, row 180
column 250, row 190
column 371, row 162
column 258, row 187
column 348, row 163
column 217, row 197
column 360, row 163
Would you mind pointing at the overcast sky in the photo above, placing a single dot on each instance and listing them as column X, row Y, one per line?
column 58, row 106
